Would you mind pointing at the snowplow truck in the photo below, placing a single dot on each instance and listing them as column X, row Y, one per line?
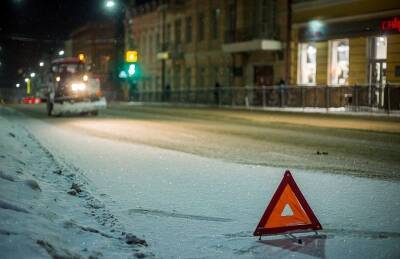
column 72, row 89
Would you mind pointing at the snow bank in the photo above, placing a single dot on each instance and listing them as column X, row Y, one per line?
column 39, row 215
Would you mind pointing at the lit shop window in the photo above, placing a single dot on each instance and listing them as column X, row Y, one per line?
column 339, row 62
column 307, row 66
column 380, row 48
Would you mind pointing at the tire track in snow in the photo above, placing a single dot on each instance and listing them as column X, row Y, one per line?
column 173, row 214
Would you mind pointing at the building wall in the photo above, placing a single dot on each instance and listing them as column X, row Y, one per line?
column 358, row 61
column 340, row 14
column 393, row 58
column 322, row 62
column 97, row 41
column 203, row 57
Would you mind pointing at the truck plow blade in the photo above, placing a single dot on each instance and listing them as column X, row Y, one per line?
column 79, row 107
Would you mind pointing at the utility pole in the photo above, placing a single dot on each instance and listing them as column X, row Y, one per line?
column 163, row 9
column 288, row 40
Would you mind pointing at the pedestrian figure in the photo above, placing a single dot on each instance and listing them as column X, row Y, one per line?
column 217, row 91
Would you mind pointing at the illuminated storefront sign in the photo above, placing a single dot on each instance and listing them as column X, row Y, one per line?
column 393, row 24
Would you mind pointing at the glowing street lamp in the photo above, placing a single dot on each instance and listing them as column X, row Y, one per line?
column 41, row 64
column 33, row 74
column 110, row 4
column 17, row 85
column 61, row 53
column 28, row 86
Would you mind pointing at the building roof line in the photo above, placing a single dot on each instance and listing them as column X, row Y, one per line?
column 312, row 5
column 352, row 18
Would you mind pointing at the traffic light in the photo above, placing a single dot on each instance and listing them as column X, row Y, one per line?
column 130, row 69
column 131, row 56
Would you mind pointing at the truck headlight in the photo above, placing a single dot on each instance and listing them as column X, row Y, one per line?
column 78, row 86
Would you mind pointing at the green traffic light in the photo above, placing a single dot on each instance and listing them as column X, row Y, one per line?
column 132, row 70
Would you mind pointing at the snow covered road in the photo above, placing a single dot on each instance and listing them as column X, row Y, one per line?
column 188, row 206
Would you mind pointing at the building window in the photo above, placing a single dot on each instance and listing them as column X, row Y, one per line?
column 380, row 48
column 228, row 76
column 339, row 62
column 178, row 31
column 188, row 77
column 230, row 22
column 377, row 67
column 267, row 19
column 157, row 83
column 307, row 64
column 158, row 41
column 168, row 34
column 215, row 23
column 188, row 33
column 177, row 77
column 151, row 47
column 200, row 25
column 201, row 73
column 215, row 75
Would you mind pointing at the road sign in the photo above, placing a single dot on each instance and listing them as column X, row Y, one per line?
column 287, row 211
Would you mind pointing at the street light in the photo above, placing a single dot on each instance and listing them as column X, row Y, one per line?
column 33, row 74
column 110, row 4
column 28, row 86
column 41, row 64
column 61, row 53
column 17, row 85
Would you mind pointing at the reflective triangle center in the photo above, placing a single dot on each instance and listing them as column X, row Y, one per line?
column 287, row 211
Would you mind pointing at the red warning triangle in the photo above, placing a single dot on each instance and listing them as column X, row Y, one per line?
column 287, row 211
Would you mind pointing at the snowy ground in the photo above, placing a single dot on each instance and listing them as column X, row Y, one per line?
column 183, row 205
column 47, row 208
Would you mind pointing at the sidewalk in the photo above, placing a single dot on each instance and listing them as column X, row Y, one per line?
column 311, row 110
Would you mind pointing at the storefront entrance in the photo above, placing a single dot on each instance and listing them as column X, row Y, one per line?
column 377, row 71
column 263, row 75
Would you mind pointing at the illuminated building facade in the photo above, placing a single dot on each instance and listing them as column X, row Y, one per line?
column 339, row 43
column 194, row 44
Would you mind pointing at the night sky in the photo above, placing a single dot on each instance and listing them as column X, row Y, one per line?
column 48, row 19
column 29, row 27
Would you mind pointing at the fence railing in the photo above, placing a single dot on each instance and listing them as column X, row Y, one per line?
column 352, row 98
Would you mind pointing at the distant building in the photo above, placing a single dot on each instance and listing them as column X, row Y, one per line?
column 98, row 44
column 195, row 43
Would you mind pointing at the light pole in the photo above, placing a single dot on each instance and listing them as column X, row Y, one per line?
column 121, row 11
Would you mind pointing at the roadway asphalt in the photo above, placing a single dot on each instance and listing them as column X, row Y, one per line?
column 349, row 145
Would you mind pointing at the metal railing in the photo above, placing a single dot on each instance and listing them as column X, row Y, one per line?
column 349, row 98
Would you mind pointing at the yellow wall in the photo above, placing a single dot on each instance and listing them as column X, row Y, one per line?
column 293, row 57
column 393, row 58
column 322, row 62
column 358, row 61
